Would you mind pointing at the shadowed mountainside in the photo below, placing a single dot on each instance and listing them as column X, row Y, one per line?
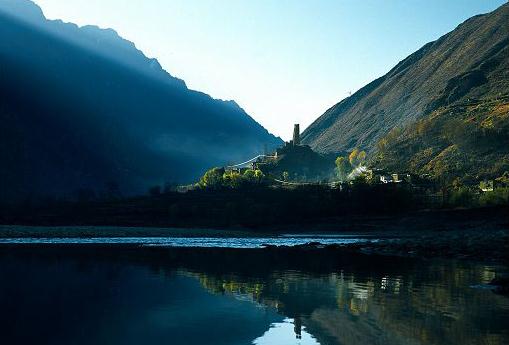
column 471, row 62
column 82, row 108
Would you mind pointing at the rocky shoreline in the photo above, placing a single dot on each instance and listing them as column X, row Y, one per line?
column 475, row 245
column 480, row 235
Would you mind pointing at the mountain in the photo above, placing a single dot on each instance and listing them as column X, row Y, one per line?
column 467, row 142
column 468, row 64
column 82, row 108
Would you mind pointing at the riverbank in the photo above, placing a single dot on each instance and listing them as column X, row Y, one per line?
column 493, row 218
column 489, row 245
column 22, row 231
column 467, row 234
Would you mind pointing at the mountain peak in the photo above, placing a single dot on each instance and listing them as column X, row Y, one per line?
column 105, row 41
column 22, row 9
column 111, row 113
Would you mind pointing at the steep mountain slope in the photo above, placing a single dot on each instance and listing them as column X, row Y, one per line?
column 471, row 62
column 465, row 142
column 82, row 108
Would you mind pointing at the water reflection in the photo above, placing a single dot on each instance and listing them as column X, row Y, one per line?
column 433, row 304
column 282, row 333
column 191, row 296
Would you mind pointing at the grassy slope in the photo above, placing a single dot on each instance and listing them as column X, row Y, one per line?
column 469, row 140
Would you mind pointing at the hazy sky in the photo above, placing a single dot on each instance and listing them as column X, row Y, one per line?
column 283, row 61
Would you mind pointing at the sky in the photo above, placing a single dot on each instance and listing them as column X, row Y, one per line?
column 283, row 61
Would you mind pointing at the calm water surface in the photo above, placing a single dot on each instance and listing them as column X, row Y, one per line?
column 110, row 295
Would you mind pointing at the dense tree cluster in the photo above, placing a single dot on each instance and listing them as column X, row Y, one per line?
column 219, row 178
column 345, row 165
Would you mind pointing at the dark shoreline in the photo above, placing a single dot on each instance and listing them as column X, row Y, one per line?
column 480, row 235
column 489, row 246
column 422, row 220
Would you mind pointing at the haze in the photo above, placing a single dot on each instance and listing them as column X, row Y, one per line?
column 282, row 61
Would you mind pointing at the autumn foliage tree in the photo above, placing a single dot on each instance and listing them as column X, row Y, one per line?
column 343, row 168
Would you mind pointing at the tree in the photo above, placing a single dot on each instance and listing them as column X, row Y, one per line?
column 357, row 157
column 353, row 157
column 360, row 180
column 343, row 168
column 232, row 179
column 457, row 183
column 259, row 176
column 249, row 175
column 212, row 179
column 259, row 173
column 361, row 157
column 254, row 176
column 462, row 196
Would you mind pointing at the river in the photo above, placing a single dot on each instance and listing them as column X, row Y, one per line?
column 120, row 294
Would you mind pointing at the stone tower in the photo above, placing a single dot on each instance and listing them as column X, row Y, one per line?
column 296, row 135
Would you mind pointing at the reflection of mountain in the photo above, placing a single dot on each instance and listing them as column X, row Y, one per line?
column 82, row 107
column 340, row 298
column 90, row 301
column 380, row 304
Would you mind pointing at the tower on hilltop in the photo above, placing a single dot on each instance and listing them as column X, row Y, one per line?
column 296, row 135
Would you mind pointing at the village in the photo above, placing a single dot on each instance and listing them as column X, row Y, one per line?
column 296, row 164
